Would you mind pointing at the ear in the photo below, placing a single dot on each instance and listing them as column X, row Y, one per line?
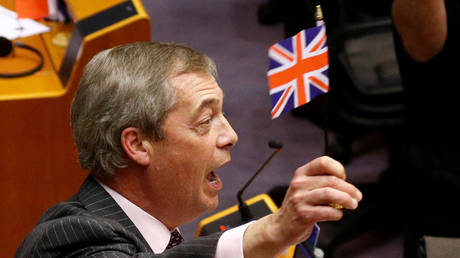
column 135, row 146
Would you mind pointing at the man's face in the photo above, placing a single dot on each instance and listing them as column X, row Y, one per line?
column 197, row 143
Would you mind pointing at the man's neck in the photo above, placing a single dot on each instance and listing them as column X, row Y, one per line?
column 132, row 186
column 156, row 234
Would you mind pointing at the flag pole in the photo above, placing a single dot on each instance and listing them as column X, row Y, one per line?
column 319, row 18
column 319, row 22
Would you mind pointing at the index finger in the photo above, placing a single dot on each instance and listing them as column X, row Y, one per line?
column 323, row 166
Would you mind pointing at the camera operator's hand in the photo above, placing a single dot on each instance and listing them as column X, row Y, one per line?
column 312, row 191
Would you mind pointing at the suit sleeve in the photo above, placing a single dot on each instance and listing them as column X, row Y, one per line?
column 81, row 236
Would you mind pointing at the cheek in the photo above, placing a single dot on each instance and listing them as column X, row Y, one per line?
column 202, row 153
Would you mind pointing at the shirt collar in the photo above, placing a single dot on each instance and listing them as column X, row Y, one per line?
column 154, row 232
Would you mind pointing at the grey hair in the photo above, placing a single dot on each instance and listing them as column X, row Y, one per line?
column 127, row 86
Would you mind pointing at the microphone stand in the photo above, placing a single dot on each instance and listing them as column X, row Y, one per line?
column 243, row 207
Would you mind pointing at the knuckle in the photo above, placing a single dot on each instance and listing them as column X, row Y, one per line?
column 303, row 213
column 333, row 181
column 328, row 163
column 330, row 213
column 296, row 184
column 295, row 200
column 323, row 162
column 299, row 171
column 326, row 193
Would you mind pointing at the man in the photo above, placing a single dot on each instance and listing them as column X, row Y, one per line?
column 148, row 123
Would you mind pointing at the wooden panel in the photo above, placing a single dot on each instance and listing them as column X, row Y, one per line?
column 38, row 164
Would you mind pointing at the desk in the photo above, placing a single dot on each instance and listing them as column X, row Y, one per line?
column 44, row 83
column 38, row 160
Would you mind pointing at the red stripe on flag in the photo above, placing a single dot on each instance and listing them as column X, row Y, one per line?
column 318, row 82
column 281, row 101
column 301, row 97
column 320, row 43
column 303, row 66
column 277, row 50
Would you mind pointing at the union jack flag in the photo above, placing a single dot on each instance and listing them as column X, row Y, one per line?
column 298, row 70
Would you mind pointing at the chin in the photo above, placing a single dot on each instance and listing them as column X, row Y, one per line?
column 211, row 205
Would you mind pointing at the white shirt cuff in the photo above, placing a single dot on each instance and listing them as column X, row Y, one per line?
column 230, row 244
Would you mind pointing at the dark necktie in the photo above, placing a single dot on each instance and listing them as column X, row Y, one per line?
column 175, row 239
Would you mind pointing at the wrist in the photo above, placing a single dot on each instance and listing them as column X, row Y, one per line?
column 262, row 239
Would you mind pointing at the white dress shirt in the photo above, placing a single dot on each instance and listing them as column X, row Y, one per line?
column 157, row 235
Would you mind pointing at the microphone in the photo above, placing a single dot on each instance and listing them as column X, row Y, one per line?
column 243, row 207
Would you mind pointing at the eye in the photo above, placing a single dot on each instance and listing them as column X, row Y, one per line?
column 203, row 126
column 206, row 121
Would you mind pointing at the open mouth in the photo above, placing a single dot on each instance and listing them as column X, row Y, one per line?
column 213, row 178
column 214, row 181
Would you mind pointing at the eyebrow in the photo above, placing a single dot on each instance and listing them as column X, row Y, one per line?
column 206, row 103
column 209, row 102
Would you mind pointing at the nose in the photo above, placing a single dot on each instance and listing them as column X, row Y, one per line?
column 228, row 137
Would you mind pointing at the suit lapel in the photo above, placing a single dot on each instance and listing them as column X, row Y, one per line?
column 96, row 200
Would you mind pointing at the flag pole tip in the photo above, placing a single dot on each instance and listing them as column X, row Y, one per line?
column 318, row 13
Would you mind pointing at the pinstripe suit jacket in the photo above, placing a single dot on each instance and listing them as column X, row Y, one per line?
column 92, row 224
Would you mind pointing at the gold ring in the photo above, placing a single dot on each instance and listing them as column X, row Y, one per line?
column 336, row 206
